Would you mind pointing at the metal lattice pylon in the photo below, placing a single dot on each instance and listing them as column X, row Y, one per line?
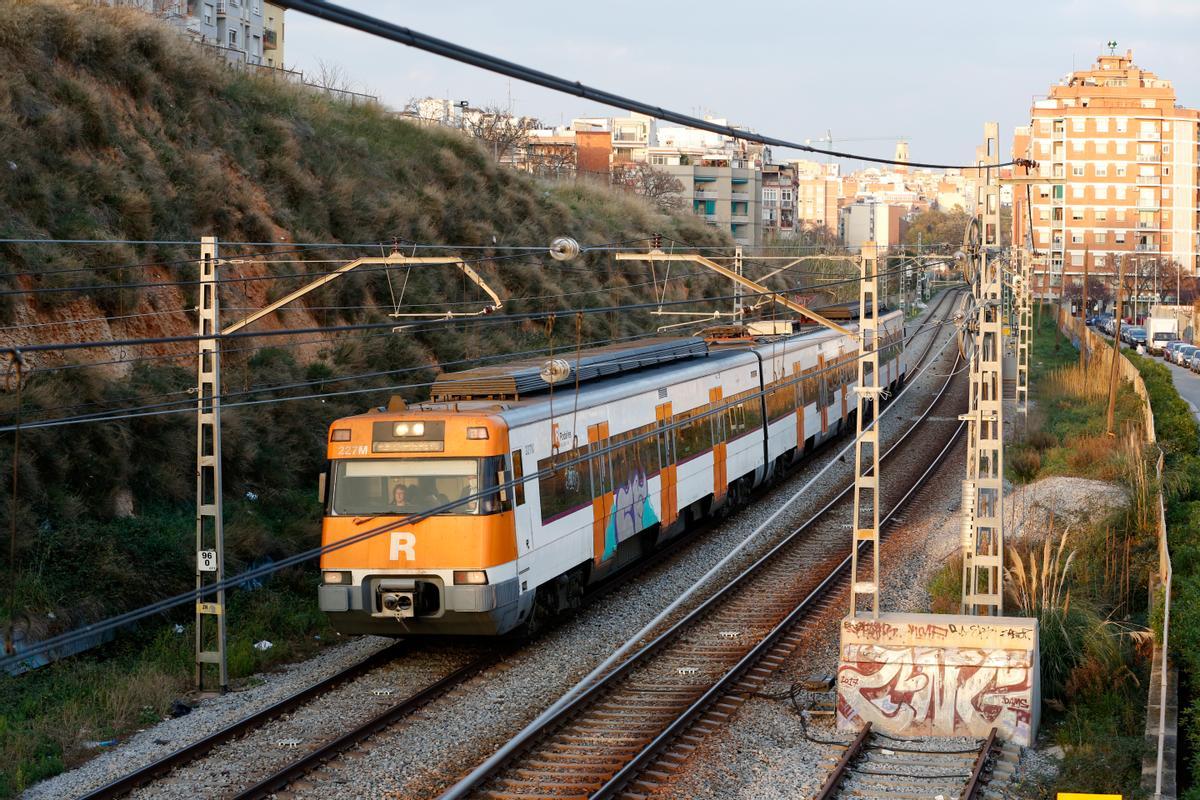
column 1024, row 290
column 983, row 490
column 210, row 529
column 866, row 443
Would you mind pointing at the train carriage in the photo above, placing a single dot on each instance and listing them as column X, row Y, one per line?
column 615, row 451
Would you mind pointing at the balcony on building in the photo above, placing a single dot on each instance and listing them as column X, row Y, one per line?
column 1148, row 158
column 739, row 218
column 1149, row 180
column 1150, row 206
column 1146, row 225
column 1149, row 136
column 222, row 8
column 742, row 197
column 1146, row 247
column 706, row 194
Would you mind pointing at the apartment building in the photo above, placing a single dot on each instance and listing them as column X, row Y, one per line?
column 234, row 28
column 726, row 192
column 778, row 200
column 1126, row 156
column 867, row 220
column 273, row 35
column 818, row 194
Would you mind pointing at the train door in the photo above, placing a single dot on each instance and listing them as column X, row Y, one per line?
column 798, row 393
column 666, row 458
column 522, row 521
column 602, row 494
column 720, row 435
column 823, row 392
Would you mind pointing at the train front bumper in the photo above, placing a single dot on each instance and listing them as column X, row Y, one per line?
column 436, row 608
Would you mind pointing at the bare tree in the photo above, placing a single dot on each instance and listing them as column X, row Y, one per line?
column 551, row 161
column 332, row 77
column 662, row 188
column 500, row 132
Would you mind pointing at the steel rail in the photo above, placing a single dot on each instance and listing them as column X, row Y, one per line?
column 833, row 580
column 834, row 779
column 603, row 685
column 393, row 714
column 139, row 777
column 972, row 787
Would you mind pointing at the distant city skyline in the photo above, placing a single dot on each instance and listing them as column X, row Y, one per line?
column 931, row 72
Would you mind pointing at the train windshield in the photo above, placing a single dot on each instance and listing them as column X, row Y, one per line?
column 413, row 485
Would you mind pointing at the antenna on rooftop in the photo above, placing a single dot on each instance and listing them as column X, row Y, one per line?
column 1112, row 47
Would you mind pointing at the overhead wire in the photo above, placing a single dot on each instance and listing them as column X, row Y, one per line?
column 407, row 36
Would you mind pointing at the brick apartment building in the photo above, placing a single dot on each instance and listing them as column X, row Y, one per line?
column 1127, row 158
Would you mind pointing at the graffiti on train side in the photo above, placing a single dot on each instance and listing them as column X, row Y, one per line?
column 631, row 511
column 937, row 691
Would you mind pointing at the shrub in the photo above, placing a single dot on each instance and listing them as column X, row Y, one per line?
column 1025, row 463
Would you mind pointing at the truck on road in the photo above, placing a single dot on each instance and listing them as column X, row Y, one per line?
column 1159, row 331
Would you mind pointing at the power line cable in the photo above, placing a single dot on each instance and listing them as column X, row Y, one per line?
column 407, row 36
column 414, row 326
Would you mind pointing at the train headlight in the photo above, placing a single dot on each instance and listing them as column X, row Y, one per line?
column 477, row 433
column 340, row 435
column 418, row 429
column 400, row 429
column 470, row 577
column 336, row 577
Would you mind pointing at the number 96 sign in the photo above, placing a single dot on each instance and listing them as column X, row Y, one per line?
column 206, row 561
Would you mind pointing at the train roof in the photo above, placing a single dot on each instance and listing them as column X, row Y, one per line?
column 530, row 376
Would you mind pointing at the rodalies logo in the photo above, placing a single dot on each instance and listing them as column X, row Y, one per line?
column 402, row 542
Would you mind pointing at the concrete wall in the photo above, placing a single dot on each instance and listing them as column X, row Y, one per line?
column 940, row 675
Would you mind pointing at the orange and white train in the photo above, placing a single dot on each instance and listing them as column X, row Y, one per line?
column 631, row 442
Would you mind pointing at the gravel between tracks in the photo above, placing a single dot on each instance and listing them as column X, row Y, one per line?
column 429, row 751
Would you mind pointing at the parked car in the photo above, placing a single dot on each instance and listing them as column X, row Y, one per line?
column 1169, row 348
column 1183, row 354
column 1194, row 362
column 1135, row 336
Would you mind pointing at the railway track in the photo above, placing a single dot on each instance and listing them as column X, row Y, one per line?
column 877, row 767
column 627, row 733
column 296, row 768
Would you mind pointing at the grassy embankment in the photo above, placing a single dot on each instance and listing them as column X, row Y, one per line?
column 1086, row 585
column 1179, row 437
column 113, row 128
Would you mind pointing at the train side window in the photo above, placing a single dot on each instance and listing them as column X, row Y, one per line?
column 518, row 473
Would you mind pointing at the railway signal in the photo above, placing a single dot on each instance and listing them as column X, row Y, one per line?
column 866, row 442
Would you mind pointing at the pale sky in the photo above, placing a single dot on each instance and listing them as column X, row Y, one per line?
column 931, row 71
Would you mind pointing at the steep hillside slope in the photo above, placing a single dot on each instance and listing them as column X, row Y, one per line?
column 114, row 128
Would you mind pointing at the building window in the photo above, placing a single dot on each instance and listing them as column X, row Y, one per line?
column 208, row 13
column 1101, row 237
column 1077, row 145
column 1078, row 124
column 1077, row 214
column 1119, row 191
column 1121, row 170
column 1101, row 124
column 1077, row 170
column 785, row 195
column 1101, row 170
column 1101, row 192
column 1101, row 214
column 1120, row 147
column 1119, row 237
column 233, row 37
column 1122, row 126
column 1077, row 192
column 1099, row 260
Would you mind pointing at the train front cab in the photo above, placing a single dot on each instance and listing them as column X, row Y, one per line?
column 454, row 572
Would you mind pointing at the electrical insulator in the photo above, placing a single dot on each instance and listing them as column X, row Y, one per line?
column 657, row 241
column 564, row 248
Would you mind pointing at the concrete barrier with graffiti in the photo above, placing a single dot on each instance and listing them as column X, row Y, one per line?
column 940, row 675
